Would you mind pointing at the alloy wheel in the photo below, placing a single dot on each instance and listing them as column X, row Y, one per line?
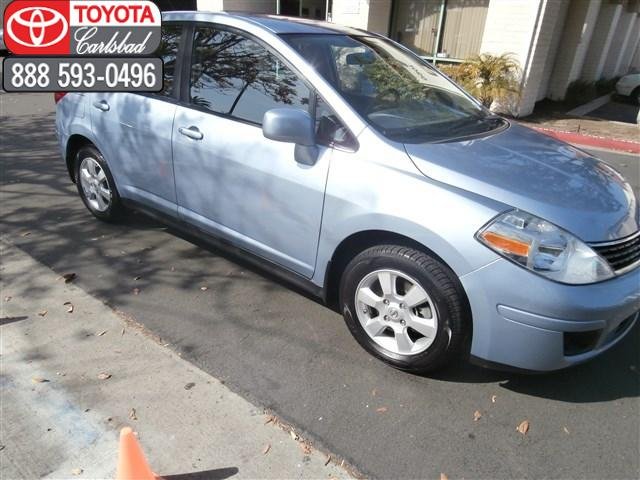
column 396, row 312
column 95, row 184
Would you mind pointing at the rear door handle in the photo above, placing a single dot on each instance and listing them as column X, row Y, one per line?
column 191, row 132
column 102, row 105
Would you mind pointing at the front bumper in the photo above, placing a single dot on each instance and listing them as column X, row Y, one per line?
column 529, row 322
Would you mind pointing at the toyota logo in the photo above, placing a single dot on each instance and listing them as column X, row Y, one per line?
column 41, row 27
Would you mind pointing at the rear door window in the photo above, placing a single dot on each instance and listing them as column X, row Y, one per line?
column 168, row 51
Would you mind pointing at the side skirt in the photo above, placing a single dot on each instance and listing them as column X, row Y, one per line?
column 239, row 255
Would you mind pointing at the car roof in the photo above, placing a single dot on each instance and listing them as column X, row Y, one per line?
column 274, row 23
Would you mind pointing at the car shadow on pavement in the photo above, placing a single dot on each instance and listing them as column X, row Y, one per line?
column 42, row 215
column 216, row 474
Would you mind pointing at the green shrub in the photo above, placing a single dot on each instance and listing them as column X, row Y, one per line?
column 604, row 86
column 580, row 92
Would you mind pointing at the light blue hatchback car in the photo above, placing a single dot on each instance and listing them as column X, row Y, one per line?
column 357, row 171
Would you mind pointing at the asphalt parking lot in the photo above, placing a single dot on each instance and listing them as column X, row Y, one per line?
column 618, row 109
column 284, row 351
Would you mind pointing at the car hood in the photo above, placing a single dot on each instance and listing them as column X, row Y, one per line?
column 538, row 174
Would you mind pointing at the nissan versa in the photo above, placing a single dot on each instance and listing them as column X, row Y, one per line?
column 356, row 170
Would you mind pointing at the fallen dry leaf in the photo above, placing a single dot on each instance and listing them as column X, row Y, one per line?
column 26, row 234
column 7, row 298
column 266, row 449
column 523, row 428
column 443, row 476
column 477, row 415
column 42, row 313
column 327, row 461
column 137, row 278
column 77, row 471
column 204, row 289
column 104, row 376
column 136, row 291
column 269, row 419
column 99, row 334
column 381, row 409
column 132, row 414
column 306, row 448
column 122, row 333
column 493, row 398
column 189, row 386
column 293, row 435
column 566, row 430
column 69, row 277
column 69, row 306
column 39, row 380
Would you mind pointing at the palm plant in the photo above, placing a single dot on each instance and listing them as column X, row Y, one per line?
column 488, row 77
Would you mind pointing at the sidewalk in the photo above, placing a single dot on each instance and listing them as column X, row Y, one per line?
column 586, row 130
column 71, row 380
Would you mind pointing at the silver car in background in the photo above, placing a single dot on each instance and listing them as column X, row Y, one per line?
column 344, row 163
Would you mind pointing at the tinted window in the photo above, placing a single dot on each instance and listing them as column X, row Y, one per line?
column 168, row 51
column 234, row 75
column 329, row 129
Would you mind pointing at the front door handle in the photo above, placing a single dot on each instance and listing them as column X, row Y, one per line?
column 102, row 105
column 191, row 132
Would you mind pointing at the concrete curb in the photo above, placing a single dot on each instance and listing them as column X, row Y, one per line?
column 591, row 141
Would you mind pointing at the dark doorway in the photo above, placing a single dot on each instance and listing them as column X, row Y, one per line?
column 290, row 8
column 313, row 9
column 168, row 5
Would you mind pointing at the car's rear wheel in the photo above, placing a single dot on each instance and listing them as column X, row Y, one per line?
column 96, row 185
column 405, row 307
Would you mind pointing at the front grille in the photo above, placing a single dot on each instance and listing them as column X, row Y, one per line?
column 623, row 255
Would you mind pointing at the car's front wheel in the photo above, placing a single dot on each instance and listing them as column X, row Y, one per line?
column 96, row 185
column 405, row 307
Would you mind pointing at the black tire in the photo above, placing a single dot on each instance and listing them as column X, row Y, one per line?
column 115, row 209
column 450, row 344
column 635, row 96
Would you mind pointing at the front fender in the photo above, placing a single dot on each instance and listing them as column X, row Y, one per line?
column 392, row 195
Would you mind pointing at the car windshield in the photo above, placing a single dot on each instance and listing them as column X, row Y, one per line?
column 396, row 92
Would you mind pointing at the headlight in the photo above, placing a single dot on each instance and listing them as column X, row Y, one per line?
column 544, row 248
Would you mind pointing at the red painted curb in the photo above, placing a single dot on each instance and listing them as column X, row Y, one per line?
column 588, row 140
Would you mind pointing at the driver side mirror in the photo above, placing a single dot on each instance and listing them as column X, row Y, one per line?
column 292, row 125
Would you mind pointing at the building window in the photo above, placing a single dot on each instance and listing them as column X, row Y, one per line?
column 440, row 29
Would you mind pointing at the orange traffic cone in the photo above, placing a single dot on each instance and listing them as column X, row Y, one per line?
column 131, row 462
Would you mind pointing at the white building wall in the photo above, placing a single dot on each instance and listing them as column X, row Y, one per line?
column 539, row 55
column 576, row 36
column 635, row 60
column 510, row 27
column 601, row 42
column 352, row 13
column 210, row 5
column 554, row 45
column 379, row 16
column 618, row 44
column 630, row 49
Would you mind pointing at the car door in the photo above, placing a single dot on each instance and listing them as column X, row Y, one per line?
column 135, row 133
column 230, row 180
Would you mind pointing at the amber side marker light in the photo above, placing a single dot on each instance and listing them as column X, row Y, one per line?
column 506, row 244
